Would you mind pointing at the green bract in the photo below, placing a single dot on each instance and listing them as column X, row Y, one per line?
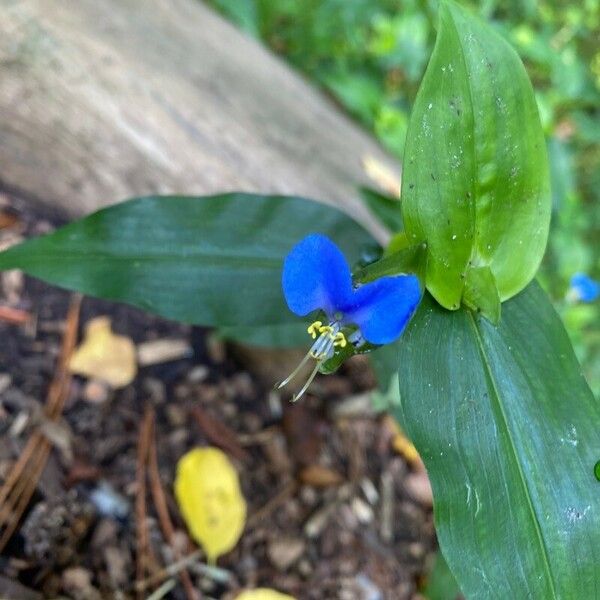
column 475, row 185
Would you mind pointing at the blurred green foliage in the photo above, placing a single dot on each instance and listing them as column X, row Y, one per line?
column 370, row 56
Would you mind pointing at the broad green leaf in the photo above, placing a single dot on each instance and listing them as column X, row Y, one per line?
column 211, row 261
column 475, row 185
column 408, row 260
column 508, row 430
column 441, row 584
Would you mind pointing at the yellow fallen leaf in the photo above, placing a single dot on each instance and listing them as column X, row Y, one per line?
column 382, row 175
column 263, row 594
column 208, row 492
column 401, row 444
column 105, row 355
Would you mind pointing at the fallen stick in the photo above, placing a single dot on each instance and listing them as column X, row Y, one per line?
column 162, row 510
column 142, row 538
column 14, row 316
column 24, row 476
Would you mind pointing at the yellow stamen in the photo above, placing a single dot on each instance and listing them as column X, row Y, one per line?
column 340, row 340
column 315, row 328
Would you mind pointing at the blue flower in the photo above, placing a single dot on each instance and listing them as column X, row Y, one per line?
column 316, row 276
column 583, row 288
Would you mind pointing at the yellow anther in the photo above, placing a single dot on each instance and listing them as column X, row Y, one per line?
column 328, row 329
column 340, row 340
column 314, row 328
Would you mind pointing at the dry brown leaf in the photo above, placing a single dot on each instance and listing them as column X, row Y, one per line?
column 402, row 445
column 104, row 355
column 319, row 476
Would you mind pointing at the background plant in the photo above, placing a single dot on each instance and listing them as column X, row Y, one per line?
column 370, row 55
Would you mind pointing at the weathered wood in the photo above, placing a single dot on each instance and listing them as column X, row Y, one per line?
column 100, row 101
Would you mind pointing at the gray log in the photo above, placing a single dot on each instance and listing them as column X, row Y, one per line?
column 101, row 100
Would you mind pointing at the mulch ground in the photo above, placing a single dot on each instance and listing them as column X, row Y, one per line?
column 333, row 510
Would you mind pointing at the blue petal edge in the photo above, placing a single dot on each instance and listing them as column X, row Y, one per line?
column 316, row 276
column 585, row 287
column 382, row 308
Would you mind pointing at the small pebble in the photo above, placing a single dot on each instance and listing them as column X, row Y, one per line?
column 418, row 487
column 108, row 502
column 96, row 392
column 284, row 552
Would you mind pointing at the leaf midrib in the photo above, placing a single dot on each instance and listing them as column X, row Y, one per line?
column 7, row 261
column 504, row 424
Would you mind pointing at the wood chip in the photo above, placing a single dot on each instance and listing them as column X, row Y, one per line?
column 419, row 488
column 219, row 434
column 156, row 352
column 284, row 552
column 320, row 476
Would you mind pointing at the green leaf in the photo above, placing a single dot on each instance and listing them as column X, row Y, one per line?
column 211, row 261
column 441, row 584
column 480, row 293
column 408, row 260
column 475, row 185
column 508, row 430
column 385, row 208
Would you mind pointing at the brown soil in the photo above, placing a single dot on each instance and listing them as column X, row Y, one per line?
column 333, row 510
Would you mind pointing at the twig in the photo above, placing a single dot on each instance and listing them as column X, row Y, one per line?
column 162, row 510
column 170, row 571
column 23, row 478
column 24, row 492
column 219, row 434
column 163, row 590
column 386, row 527
column 14, row 316
column 142, row 538
column 266, row 510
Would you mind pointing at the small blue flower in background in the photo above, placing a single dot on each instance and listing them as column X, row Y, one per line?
column 316, row 276
column 583, row 288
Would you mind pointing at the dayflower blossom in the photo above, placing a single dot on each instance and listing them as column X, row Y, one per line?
column 583, row 288
column 316, row 276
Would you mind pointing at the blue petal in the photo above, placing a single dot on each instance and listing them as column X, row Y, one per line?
column 586, row 289
column 382, row 308
column 316, row 276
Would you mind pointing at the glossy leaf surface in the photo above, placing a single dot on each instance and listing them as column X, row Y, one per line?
column 211, row 261
column 508, row 430
column 475, row 184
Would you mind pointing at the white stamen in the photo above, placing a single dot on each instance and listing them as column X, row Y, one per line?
column 297, row 397
column 295, row 371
